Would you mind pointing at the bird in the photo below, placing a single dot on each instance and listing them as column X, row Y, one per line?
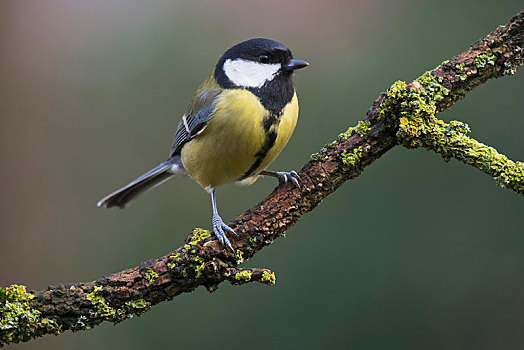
column 237, row 123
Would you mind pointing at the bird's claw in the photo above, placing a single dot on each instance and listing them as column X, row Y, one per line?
column 284, row 176
column 218, row 227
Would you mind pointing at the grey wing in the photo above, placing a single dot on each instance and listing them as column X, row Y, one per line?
column 195, row 121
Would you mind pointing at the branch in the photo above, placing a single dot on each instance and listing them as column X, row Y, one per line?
column 404, row 115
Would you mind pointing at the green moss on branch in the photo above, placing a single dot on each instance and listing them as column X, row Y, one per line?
column 362, row 129
column 415, row 105
column 450, row 140
column 239, row 276
column 351, row 158
column 243, row 276
column 405, row 115
column 18, row 321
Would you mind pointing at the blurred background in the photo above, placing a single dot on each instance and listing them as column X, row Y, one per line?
column 419, row 252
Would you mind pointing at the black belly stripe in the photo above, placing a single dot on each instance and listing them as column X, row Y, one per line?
column 269, row 142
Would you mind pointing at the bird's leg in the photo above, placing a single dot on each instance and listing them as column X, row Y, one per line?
column 218, row 224
column 283, row 176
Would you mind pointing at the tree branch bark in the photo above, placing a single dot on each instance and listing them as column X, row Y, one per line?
column 404, row 115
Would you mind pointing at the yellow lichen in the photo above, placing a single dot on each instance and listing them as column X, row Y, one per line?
column 244, row 276
column 18, row 320
column 351, row 158
column 151, row 276
column 240, row 257
column 268, row 278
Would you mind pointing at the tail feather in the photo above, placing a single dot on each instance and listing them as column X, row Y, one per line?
column 152, row 178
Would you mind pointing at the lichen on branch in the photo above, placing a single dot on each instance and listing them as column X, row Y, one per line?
column 450, row 140
column 405, row 115
column 415, row 106
column 19, row 321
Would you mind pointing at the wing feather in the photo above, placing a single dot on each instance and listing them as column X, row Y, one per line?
column 196, row 118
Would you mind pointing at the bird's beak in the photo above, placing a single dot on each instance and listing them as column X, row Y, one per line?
column 295, row 64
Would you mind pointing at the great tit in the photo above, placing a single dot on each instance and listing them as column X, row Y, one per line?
column 237, row 123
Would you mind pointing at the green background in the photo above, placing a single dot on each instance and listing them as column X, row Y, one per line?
column 415, row 253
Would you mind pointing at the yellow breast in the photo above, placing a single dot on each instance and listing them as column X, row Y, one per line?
column 284, row 130
column 228, row 146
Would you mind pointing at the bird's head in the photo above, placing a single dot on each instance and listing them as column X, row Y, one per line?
column 255, row 63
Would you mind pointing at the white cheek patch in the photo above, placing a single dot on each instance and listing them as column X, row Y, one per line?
column 249, row 73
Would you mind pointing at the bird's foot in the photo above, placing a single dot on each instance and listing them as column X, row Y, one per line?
column 219, row 227
column 284, row 176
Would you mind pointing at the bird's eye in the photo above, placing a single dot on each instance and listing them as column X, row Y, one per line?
column 263, row 59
